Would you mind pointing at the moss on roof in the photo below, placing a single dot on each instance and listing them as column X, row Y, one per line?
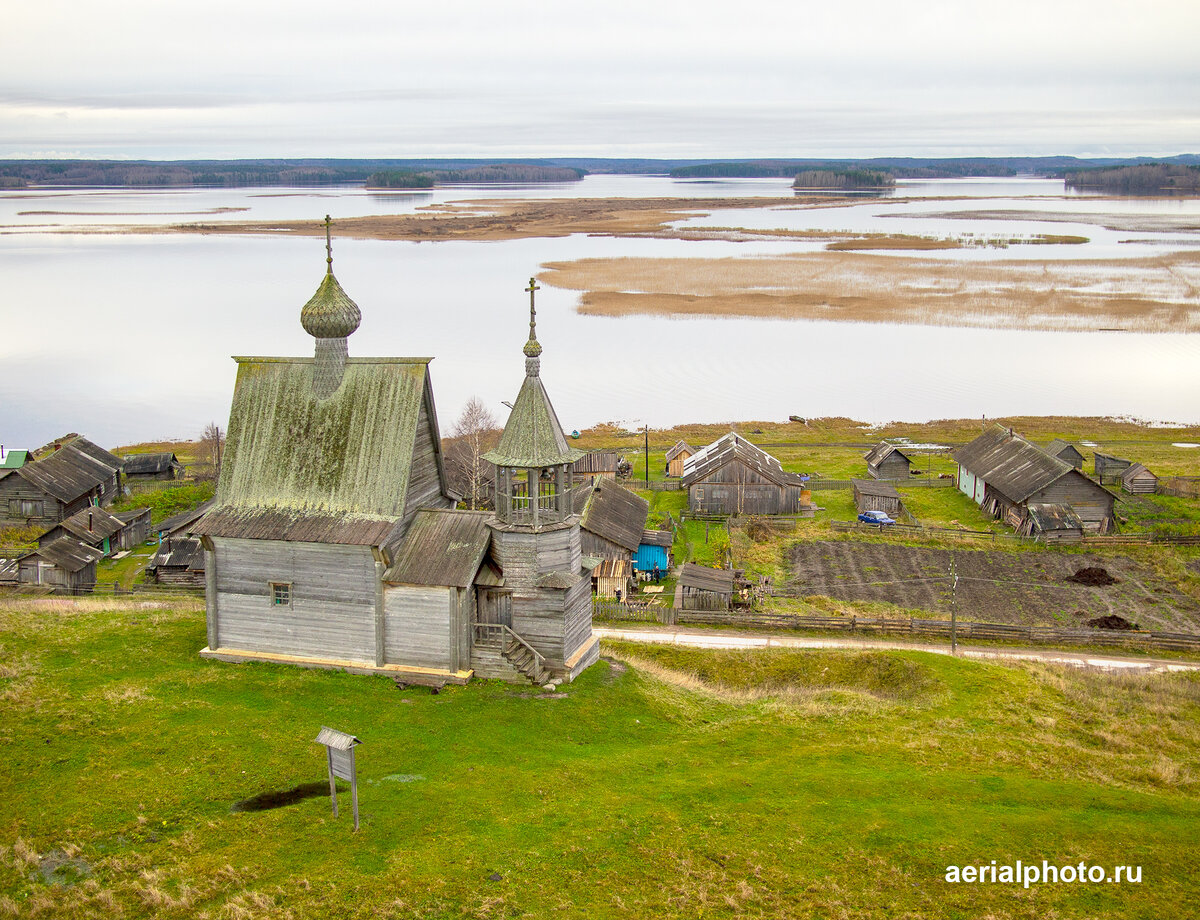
column 532, row 435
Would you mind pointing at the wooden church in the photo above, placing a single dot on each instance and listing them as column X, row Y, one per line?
column 333, row 540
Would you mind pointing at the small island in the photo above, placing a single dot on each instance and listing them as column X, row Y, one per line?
column 1142, row 179
column 844, row 180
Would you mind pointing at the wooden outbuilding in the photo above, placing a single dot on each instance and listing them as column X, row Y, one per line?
column 1051, row 523
column 732, row 476
column 160, row 467
column 1003, row 473
column 182, row 523
column 654, row 549
column 66, row 565
column 1139, row 480
column 1109, row 469
column 595, row 464
column 702, row 588
column 887, row 461
column 612, row 576
column 137, row 529
column 677, row 456
column 611, row 519
column 876, row 495
column 179, row 561
column 53, row 488
column 93, row 526
column 1064, row 450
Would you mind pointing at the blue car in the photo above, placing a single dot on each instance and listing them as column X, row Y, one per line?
column 875, row 517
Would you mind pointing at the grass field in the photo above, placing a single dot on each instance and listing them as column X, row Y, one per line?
column 671, row 783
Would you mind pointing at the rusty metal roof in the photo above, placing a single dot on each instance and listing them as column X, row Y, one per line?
column 1010, row 464
column 611, row 511
column 67, row 554
column 442, row 548
column 296, row 525
column 729, row 447
column 701, row 578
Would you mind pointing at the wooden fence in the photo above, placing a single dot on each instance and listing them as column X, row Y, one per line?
column 912, row 627
column 1180, row 486
column 914, row 530
column 818, row 485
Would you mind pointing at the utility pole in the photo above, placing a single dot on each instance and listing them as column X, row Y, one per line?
column 953, row 605
column 646, row 428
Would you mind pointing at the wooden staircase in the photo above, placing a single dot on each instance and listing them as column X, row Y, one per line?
column 515, row 657
column 525, row 660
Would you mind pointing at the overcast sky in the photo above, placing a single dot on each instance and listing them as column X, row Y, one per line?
column 155, row 79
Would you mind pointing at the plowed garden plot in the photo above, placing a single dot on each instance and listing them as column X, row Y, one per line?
column 994, row 587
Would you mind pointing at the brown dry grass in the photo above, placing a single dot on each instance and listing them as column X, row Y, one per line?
column 1144, row 295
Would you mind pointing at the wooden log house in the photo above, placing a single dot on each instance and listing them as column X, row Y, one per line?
column 595, row 465
column 51, row 489
column 66, row 565
column 702, row 588
column 94, row 526
column 732, row 476
column 1139, row 481
column 887, row 461
column 1064, row 450
column 611, row 519
column 159, row 467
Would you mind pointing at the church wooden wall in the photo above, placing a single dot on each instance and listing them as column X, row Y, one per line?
column 420, row 626
column 332, row 613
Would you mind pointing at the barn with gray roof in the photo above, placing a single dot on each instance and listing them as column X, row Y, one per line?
column 1003, row 473
column 56, row 486
column 733, row 476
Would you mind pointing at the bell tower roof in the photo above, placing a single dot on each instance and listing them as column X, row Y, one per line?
column 532, row 435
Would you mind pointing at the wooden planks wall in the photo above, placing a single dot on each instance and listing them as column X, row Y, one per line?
column 419, row 623
column 332, row 613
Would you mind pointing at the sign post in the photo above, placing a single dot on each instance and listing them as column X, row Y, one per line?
column 339, row 748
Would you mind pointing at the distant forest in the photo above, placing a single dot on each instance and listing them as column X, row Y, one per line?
column 844, row 179
column 317, row 172
column 1146, row 179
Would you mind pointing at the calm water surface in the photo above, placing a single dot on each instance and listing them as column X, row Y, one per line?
column 129, row 337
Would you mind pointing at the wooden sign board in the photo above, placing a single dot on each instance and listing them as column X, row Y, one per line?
column 339, row 747
column 342, row 764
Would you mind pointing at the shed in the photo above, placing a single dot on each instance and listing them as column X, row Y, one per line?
column 612, row 576
column 1139, row 480
column 1051, row 522
column 152, row 467
column 703, row 588
column 876, row 495
column 595, row 464
column 137, row 527
column 93, row 526
column 887, row 461
column 179, row 561
column 655, row 549
column 66, row 565
column 677, row 456
column 1110, row 468
column 182, row 523
column 612, row 519
column 1064, row 450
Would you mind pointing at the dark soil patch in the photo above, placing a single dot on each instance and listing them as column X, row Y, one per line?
column 1112, row 621
column 1094, row 576
column 265, row 801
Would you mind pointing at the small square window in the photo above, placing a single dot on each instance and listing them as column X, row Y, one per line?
column 281, row 594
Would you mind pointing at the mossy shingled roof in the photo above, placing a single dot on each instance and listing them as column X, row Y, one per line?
column 348, row 454
column 532, row 435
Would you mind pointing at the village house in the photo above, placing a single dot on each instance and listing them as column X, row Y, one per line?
column 1110, row 469
column 12, row 459
column 613, row 578
column 1003, row 473
column 137, row 527
column 677, row 456
column 161, row 467
column 66, row 565
column 887, row 461
column 595, row 464
column 94, row 526
column 332, row 541
column 733, row 476
column 58, row 485
column 611, row 519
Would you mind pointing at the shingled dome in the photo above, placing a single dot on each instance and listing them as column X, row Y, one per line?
column 330, row 313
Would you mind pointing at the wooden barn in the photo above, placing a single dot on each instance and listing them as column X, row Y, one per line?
column 179, row 561
column 1065, row 450
column 701, row 588
column 887, row 461
column 733, row 476
column 1110, row 469
column 1139, row 480
column 93, row 526
column 1003, row 473
column 654, row 549
column 161, row 467
column 66, row 565
column 55, row 487
column 613, row 578
column 332, row 542
column 611, row 519
column 876, row 495
column 110, row 463
column 677, row 456
column 137, row 529
column 182, row 523
column 1051, row 523
column 595, row 465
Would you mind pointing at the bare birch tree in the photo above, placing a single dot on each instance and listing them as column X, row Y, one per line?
column 474, row 433
column 212, row 446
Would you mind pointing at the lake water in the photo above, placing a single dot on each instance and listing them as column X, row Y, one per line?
column 128, row 337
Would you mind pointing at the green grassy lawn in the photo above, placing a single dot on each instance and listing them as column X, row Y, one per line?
column 678, row 784
column 124, row 571
column 167, row 500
